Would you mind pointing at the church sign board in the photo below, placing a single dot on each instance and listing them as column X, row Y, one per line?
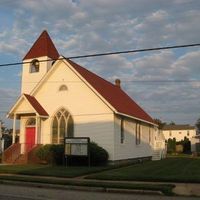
column 77, row 146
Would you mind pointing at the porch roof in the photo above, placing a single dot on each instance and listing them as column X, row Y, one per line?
column 36, row 106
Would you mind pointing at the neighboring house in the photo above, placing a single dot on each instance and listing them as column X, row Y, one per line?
column 62, row 99
column 179, row 132
column 195, row 143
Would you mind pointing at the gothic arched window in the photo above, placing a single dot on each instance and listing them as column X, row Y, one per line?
column 62, row 126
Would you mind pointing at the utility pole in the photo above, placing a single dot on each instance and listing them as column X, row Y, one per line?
column 1, row 138
column 0, row 129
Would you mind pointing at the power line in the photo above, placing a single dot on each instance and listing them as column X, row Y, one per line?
column 136, row 51
column 123, row 81
column 109, row 53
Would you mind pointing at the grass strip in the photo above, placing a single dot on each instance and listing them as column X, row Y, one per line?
column 166, row 189
column 184, row 170
column 56, row 171
column 48, row 170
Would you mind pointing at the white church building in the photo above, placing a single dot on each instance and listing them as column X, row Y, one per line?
column 60, row 98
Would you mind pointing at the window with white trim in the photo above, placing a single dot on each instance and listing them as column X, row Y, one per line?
column 188, row 133
column 138, row 134
column 149, row 134
column 62, row 126
column 122, row 131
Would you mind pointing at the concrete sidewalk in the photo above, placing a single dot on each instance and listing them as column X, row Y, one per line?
column 182, row 189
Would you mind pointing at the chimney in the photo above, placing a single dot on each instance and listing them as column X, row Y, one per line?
column 118, row 83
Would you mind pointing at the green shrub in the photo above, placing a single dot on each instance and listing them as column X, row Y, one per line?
column 51, row 154
column 54, row 154
column 98, row 155
column 58, row 154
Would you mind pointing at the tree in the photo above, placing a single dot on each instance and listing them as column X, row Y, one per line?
column 198, row 126
column 172, row 123
column 5, row 135
column 171, row 145
column 160, row 123
column 2, row 127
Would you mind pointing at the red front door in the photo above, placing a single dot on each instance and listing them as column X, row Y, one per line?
column 30, row 138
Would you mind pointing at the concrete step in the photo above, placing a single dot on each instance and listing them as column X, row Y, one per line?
column 156, row 155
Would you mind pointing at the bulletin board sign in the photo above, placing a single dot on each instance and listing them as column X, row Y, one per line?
column 77, row 146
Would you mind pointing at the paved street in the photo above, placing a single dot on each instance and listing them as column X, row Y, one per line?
column 8, row 192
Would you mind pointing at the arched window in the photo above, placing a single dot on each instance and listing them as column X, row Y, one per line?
column 31, row 122
column 34, row 66
column 62, row 126
column 63, row 88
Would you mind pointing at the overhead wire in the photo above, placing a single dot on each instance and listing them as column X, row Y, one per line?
column 108, row 53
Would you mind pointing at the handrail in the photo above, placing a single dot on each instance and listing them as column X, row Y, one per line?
column 12, row 153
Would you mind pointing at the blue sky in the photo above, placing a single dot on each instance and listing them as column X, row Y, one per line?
column 93, row 26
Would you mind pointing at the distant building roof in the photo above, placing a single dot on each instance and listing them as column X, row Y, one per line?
column 178, row 127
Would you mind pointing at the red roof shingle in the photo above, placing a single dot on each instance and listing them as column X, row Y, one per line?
column 43, row 46
column 113, row 94
column 36, row 105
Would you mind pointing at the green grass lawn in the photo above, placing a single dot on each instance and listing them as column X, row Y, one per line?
column 170, row 169
column 46, row 170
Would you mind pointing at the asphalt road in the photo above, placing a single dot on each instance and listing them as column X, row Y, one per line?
column 10, row 192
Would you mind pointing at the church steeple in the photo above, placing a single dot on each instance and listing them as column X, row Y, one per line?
column 43, row 46
column 38, row 61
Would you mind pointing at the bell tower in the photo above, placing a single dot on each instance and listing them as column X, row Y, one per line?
column 37, row 62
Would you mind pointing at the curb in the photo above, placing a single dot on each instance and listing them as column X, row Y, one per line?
column 81, row 188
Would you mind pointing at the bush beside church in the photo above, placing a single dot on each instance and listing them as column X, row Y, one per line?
column 54, row 154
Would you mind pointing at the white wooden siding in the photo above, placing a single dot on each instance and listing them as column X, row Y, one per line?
column 129, row 149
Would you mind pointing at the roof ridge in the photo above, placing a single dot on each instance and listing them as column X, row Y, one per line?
column 117, row 97
column 83, row 68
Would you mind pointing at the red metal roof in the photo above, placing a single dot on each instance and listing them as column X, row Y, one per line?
column 113, row 94
column 36, row 105
column 43, row 46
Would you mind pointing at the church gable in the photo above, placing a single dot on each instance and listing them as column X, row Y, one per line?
column 28, row 104
column 23, row 107
column 62, row 86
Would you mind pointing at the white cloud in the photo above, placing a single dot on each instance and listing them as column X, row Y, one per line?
column 83, row 27
column 159, row 15
column 187, row 66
